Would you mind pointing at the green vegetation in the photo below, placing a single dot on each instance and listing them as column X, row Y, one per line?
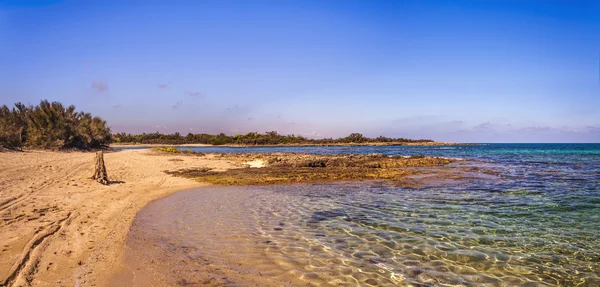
column 51, row 126
column 268, row 138
column 173, row 150
column 168, row 149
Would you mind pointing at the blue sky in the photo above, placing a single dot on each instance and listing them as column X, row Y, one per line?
column 465, row 71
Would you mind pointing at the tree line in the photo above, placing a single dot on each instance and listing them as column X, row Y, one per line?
column 251, row 138
column 50, row 125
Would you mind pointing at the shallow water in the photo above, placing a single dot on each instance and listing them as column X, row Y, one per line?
column 537, row 224
column 550, row 152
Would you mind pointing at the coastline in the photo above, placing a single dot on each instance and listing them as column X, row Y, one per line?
column 61, row 228
column 299, row 145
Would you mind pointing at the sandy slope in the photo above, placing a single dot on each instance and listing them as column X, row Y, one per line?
column 59, row 228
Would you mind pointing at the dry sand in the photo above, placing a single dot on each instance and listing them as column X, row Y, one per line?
column 60, row 228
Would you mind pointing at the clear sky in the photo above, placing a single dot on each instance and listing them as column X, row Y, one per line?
column 466, row 71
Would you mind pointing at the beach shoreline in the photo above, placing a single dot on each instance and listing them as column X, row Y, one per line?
column 60, row 228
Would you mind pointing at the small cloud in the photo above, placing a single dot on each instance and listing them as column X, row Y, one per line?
column 195, row 94
column 163, row 86
column 482, row 127
column 250, row 119
column 159, row 127
column 594, row 129
column 100, row 86
column 548, row 129
column 177, row 105
column 536, row 129
column 116, row 106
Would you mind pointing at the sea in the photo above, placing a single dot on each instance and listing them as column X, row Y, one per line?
column 536, row 222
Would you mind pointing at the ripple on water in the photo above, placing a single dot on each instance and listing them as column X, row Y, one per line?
column 370, row 234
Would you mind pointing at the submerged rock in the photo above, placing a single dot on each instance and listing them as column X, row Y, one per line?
column 319, row 216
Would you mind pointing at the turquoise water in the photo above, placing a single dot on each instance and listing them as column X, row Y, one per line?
column 536, row 224
column 479, row 151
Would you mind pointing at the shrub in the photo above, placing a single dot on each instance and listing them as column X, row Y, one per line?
column 12, row 127
column 169, row 149
column 51, row 126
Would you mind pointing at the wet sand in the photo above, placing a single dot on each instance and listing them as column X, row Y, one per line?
column 60, row 228
column 160, row 253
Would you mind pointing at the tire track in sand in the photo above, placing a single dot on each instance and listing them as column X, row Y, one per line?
column 15, row 200
column 24, row 259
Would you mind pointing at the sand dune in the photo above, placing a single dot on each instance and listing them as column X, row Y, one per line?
column 60, row 228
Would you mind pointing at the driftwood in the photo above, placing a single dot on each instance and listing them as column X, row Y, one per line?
column 100, row 174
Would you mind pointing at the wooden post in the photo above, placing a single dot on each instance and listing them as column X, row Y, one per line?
column 100, row 170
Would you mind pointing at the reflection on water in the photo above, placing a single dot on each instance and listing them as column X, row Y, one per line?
column 372, row 234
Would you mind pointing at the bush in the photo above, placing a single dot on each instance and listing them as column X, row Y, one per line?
column 12, row 127
column 51, row 126
column 169, row 149
column 174, row 150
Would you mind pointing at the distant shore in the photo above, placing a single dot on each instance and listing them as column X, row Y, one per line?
column 299, row 145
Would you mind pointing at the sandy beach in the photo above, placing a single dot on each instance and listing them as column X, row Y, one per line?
column 60, row 228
